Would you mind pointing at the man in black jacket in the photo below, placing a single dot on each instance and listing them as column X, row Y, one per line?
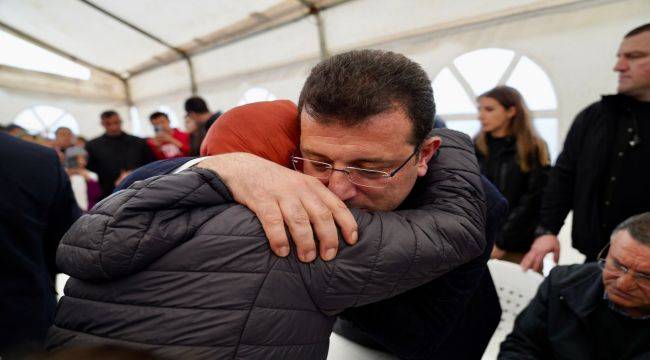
column 197, row 111
column 114, row 154
column 592, row 311
column 430, row 321
column 601, row 173
column 37, row 207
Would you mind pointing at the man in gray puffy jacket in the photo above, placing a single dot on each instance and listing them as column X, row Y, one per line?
column 173, row 264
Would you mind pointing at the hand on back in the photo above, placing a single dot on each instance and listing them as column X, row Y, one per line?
column 543, row 245
column 280, row 196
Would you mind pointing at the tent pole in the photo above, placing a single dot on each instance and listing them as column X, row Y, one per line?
column 322, row 41
column 183, row 54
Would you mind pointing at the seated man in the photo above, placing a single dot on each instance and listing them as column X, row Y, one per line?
column 173, row 264
column 592, row 311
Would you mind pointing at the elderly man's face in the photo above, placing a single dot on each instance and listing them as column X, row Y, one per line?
column 628, row 290
column 380, row 143
column 633, row 65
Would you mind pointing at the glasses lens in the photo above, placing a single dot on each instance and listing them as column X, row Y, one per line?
column 369, row 178
column 316, row 169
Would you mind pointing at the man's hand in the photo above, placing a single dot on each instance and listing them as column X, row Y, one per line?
column 543, row 245
column 278, row 195
column 497, row 253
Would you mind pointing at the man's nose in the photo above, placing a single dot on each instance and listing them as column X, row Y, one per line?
column 625, row 282
column 621, row 64
column 341, row 186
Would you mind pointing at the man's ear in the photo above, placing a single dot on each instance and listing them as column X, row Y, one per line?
column 428, row 148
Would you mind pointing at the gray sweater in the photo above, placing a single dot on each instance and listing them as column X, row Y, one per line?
column 174, row 265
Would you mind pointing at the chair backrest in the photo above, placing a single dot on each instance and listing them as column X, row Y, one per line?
column 515, row 289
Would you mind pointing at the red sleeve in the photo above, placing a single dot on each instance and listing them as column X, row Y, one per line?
column 184, row 138
column 155, row 150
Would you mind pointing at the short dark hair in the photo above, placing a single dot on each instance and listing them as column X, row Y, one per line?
column 12, row 127
column 158, row 114
column 637, row 30
column 196, row 104
column 108, row 113
column 61, row 128
column 638, row 226
column 352, row 86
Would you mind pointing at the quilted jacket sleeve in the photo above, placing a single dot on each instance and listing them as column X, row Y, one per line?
column 128, row 230
column 401, row 250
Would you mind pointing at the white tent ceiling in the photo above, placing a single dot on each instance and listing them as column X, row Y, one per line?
column 139, row 49
column 127, row 37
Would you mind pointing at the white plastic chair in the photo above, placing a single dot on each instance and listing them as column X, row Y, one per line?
column 61, row 279
column 515, row 289
column 344, row 349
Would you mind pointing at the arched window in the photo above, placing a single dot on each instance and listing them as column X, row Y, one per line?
column 44, row 120
column 256, row 94
column 457, row 85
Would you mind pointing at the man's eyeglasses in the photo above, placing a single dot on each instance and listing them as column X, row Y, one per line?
column 618, row 269
column 358, row 176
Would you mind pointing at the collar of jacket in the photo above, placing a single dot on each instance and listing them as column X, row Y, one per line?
column 583, row 296
column 616, row 101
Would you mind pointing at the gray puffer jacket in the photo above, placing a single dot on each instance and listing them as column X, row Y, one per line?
column 174, row 265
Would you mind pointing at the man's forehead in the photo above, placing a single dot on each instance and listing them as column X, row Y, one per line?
column 625, row 247
column 374, row 139
column 638, row 42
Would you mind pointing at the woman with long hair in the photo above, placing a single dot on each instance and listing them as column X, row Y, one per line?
column 515, row 158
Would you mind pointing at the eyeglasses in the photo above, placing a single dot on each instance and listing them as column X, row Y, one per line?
column 358, row 176
column 618, row 269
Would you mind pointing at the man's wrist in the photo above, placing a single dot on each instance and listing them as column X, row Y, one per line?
column 541, row 231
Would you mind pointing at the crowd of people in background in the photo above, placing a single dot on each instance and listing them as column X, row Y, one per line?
column 601, row 175
column 96, row 166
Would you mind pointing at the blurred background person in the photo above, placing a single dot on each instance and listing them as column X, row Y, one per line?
column 168, row 142
column 515, row 159
column 64, row 138
column 36, row 208
column 197, row 110
column 85, row 183
column 81, row 142
column 15, row 131
column 115, row 153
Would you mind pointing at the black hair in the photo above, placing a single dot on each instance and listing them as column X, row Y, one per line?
column 638, row 226
column 637, row 30
column 108, row 113
column 352, row 86
column 196, row 104
column 158, row 114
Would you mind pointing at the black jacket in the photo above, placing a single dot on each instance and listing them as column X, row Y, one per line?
column 431, row 321
column 559, row 323
column 174, row 265
column 523, row 190
column 435, row 320
column 37, row 207
column 109, row 155
column 579, row 179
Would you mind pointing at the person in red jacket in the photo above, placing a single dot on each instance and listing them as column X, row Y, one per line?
column 168, row 142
